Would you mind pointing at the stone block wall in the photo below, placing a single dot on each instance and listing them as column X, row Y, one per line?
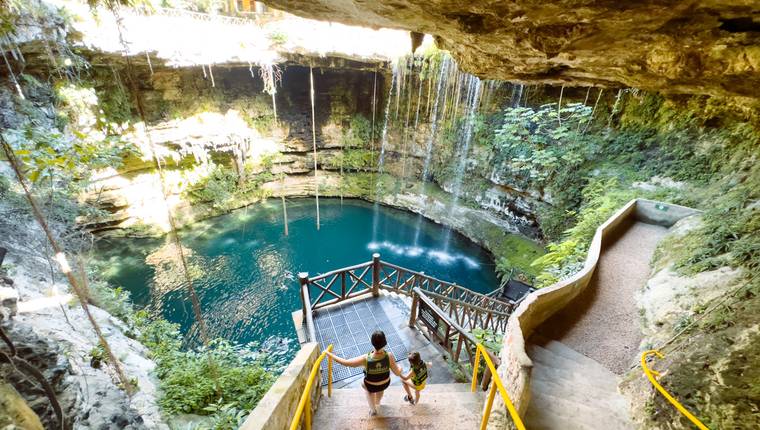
column 275, row 411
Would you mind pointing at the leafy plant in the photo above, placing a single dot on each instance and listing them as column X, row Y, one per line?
column 189, row 378
column 97, row 356
column 277, row 37
column 491, row 340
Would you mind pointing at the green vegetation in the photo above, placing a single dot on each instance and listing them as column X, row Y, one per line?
column 222, row 189
column 588, row 170
column 189, row 377
column 277, row 38
column 48, row 153
column 490, row 340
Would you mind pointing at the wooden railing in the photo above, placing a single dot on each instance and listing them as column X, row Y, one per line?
column 467, row 308
column 400, row 280
column 451, row 336
column 470, row 316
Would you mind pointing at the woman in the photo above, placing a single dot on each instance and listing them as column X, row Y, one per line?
column 378, row 365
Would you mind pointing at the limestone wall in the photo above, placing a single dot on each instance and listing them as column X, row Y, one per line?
column 275, row 411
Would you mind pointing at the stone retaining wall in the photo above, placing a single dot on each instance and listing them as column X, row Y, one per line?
column 275, row 411
column 542, row 304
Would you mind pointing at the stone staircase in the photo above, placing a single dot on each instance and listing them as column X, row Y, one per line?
column 442, row 406
column 571, row 391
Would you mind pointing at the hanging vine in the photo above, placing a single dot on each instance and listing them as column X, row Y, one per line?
column 60, row 257
column 174, row 235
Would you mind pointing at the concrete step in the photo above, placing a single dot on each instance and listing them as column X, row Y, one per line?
column 556, row 367
column 567, row 352
column 548, row 412
column 612, row 402
column 572, row 391
column 441, row 406
column 580, row 370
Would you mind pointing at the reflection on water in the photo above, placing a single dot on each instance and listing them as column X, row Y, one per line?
column 243, row 266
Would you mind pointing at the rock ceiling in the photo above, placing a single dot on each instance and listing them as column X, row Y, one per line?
column 673, row 46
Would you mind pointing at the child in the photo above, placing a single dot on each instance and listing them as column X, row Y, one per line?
column 416, row 378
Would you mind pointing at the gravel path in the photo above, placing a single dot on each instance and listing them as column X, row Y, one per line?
column 603, row 322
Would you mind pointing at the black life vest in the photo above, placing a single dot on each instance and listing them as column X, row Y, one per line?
column 377, row 369
column 420, row 374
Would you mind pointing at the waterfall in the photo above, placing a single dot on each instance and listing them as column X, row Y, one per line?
column 381, row 160
column 473, row 97
column 434, row 121
column 405, row 134
column 314, row 142
column 419, row 101
column 399, row 70
column 211, row 75
column 374, row 104
column 431, row 140
column 284, row 205
column 11, row 74
column 517, row 92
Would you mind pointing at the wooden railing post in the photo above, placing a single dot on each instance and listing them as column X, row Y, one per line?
column 375, row 275
column 303, row 279
column 413, row 315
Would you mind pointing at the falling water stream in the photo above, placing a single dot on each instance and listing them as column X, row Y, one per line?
column 473, row 94
column 431, row 141
column 405, row 134
column 381, row 160
column 314, row 142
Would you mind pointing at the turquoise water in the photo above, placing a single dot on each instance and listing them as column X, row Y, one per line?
column 245, row 269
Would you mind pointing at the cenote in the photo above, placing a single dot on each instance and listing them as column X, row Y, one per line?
column 245, row 268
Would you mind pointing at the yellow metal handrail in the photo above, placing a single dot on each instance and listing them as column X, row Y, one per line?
column 495, row 384
column 304, row 405
column 651, row 376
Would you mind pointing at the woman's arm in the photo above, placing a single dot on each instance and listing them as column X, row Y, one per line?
column 394, row 367
column 351, row 362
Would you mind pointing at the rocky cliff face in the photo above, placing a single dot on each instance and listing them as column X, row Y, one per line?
column 196, row 124
column 704, row 47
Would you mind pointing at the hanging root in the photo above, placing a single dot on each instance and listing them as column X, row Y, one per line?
column 11, row 74
column 271, row 75
column 174, row 235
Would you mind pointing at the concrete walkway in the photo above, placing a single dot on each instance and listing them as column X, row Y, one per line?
column 603, row 322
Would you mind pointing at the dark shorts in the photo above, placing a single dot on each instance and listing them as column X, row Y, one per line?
column 376, row 388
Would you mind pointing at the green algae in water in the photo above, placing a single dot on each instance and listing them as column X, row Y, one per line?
column 245, row 269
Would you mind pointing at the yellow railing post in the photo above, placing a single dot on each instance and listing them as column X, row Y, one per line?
column 329, row 374
column 304, row 404
column 651, row 376
column 307, row 412
column 489, row 405
column 475, row 369
column 496, row 384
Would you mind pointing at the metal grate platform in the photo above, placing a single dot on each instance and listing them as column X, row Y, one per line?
column 349, row 327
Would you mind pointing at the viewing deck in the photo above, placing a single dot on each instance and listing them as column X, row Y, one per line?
column 417, row 313
column 349, row 325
